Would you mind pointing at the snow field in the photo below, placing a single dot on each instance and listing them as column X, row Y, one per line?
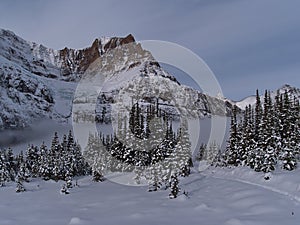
column 210, row 200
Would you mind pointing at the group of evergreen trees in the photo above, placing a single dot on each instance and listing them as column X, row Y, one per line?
column 62, row 161
column 267, row 135
column 145, row 144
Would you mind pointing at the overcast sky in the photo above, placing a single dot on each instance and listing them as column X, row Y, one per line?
column 248, row 44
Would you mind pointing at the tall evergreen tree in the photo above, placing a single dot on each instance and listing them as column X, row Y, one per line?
column 232, row 147
column 174, row 186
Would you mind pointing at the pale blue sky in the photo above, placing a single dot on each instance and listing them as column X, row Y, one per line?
column 248, row 44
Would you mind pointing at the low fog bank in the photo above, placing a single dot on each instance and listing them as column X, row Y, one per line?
column 18, row 139
column 43, row 131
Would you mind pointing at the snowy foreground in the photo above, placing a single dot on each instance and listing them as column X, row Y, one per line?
column 215, row 196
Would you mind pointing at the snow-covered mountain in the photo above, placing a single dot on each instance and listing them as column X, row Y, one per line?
column 37, row 82
column 292, row 92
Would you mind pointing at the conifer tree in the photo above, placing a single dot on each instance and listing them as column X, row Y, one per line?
column 11, row 164
column 232, row 147
column 182, row 152
column 288, row 159
column 20, row 187
column 258, row 116
column 23, row 173
column 267, row 137
column 4, row 169
column 174, row 187
column 200, row 155
column 155, row 178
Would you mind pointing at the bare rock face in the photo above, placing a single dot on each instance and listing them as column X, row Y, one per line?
column 115, row 41
column 75, row 62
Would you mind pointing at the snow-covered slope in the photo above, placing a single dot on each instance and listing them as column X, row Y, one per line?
column 246, row 101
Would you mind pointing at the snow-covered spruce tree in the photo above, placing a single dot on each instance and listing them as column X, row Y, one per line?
column 154, row 175
column 201, row 152
column 80, row 167
column 268, row 136
column 3, row 176
column 295, row 127
column 11, row 164
column 296, row 132
column 182, row 152
column 241, row 158
column 44, row 170
column 4, row 169
column 214, row 152
column 258, row 135
column 251, row 148
column 75, row 163
column 32, row 160
column 68, row 179
column 20, row 187
column 231, row 155
column 288, row 154
column 288, row 159
column 248, row 137
column 243, row 138
column 269, row 160
column 96, row 155
column 278, row 123
column 155, row 180
column 19, row 160
column 23, row 173
column 54, row 159
column 258, row 117
column 174, row 187
column 138, row 173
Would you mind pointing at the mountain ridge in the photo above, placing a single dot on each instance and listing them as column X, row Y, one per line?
column 37, row 82
column 291, row 90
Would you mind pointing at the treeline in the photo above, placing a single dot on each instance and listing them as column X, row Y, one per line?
column 62, row 161
column 265, row 136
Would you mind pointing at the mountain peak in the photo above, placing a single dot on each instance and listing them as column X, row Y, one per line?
column 117, row 41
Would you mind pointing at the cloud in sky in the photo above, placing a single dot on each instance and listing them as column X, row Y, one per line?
column 248, row 44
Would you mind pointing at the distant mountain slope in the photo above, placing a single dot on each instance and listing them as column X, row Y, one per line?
column 292, row 91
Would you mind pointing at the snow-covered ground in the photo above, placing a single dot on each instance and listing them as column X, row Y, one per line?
column 215, row 197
